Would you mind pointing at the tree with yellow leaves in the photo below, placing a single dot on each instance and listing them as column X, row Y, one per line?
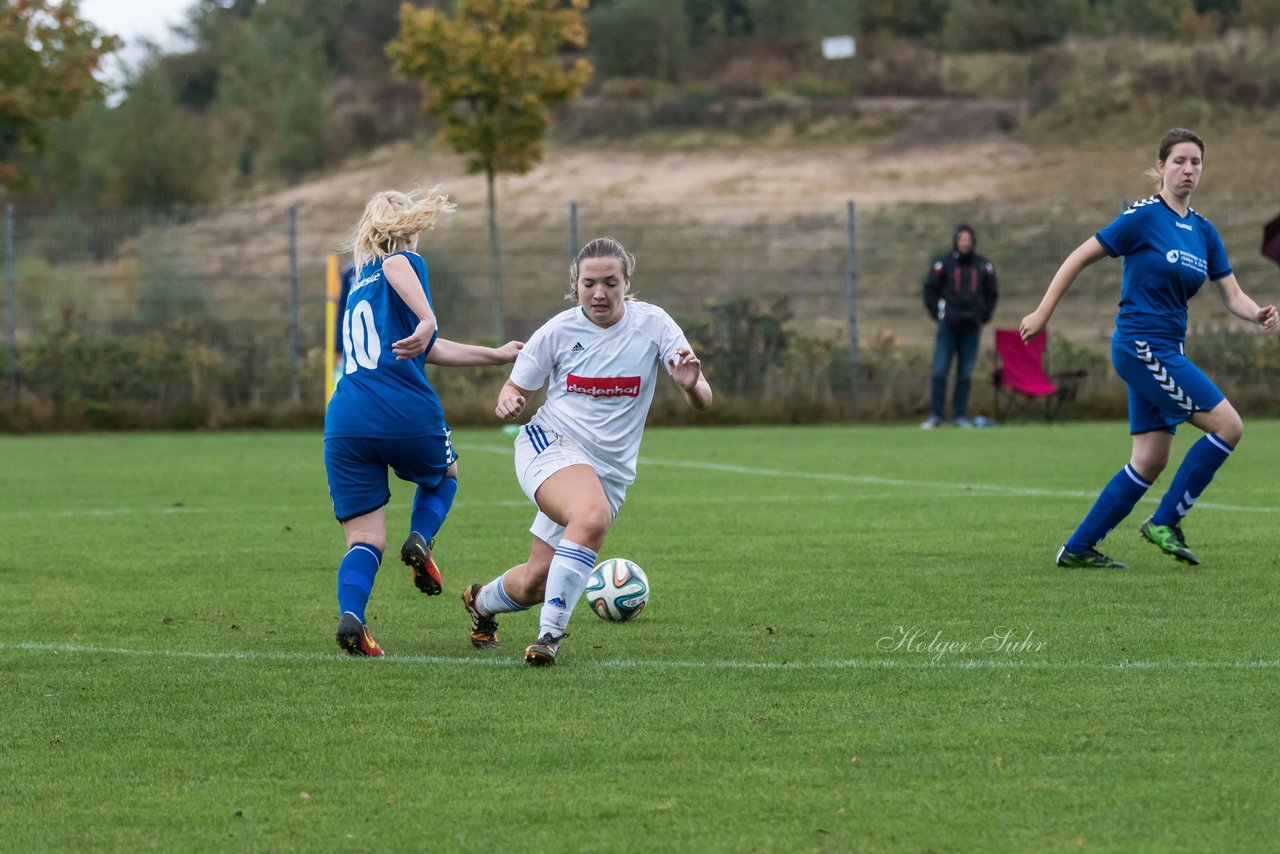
column 48, row 54
column 492, row 73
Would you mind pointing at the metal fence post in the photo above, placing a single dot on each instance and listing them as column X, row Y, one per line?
column 495, row 267
column 573, row 231
column 11, row 302
column 294, row 390
column 851, row 296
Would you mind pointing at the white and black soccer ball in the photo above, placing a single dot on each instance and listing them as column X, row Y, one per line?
column 618, row 590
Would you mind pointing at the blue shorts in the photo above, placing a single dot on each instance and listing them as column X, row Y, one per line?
column 1165, row 387
column 357, row 469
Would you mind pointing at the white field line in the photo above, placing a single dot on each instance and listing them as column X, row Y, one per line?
column 92, row 512
column 481, row 660
column 773, row 498
column 938, row 489
column 831, row 477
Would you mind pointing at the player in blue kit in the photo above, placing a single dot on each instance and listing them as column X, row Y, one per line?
column 384, row 412
column 1168, row 249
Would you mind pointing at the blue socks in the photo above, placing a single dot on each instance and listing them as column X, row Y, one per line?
column 431, row 507
column 1115, row 502
column 360, row 564
column 1198, row 468
column 1119, row 496
column 355, row 578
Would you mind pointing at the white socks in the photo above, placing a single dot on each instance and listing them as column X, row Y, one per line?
column 493, row 599
column 570, row 569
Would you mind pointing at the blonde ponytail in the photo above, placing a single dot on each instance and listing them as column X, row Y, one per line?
column 391, row 216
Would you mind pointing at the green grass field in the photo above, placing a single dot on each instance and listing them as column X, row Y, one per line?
column 169, row 678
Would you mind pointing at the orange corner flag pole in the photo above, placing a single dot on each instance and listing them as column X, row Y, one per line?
column 333, row 287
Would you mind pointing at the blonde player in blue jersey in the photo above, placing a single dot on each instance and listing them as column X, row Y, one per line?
column 384, row 412
column 1169, row 249
column 576, row 457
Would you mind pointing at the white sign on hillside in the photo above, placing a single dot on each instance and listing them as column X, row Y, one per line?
column 838, row 47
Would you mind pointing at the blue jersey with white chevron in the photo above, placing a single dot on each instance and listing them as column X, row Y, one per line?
column 1166, row 260
column 379, row 396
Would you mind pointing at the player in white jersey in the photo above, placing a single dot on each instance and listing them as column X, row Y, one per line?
column 577, row 455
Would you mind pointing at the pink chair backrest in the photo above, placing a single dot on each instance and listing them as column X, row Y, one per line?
column 1023, row 363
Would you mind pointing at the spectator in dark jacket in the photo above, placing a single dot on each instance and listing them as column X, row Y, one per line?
column 960, row 294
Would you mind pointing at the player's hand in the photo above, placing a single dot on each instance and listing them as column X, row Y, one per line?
column 1031, row 326
column 510, row 404
column 415, row 344
column 685, row 368
column 508, row 352
column 1267, row 318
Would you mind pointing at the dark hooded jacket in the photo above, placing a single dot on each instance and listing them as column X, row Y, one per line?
column 960, row 288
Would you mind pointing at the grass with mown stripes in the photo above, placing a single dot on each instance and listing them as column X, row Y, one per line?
column 857, row 640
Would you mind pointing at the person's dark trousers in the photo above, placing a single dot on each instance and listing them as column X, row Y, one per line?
column 961, row 345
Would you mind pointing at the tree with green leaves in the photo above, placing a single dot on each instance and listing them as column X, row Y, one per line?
column 48, row 54
column 492, row 73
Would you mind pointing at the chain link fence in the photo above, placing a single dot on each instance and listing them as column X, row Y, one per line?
column 195, row 317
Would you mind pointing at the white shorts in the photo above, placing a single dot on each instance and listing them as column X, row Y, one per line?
column 541, row 453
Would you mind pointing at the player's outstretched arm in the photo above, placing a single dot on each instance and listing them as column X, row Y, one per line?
column 1083, row 255
column 686, row 370
column 404, row 281
column 511, row 401
column 452, row 354
column 1242, row 305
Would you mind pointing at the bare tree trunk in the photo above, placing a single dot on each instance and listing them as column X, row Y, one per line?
column 495, row 264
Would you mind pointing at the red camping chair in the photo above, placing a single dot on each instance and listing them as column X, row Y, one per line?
column 1021, row 384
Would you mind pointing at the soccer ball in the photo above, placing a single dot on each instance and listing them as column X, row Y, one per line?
column 617, row 590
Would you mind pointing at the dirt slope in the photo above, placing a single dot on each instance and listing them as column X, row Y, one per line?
column 939, row 150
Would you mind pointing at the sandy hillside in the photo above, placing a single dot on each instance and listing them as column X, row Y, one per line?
column 825, row 175
column 941, row 151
